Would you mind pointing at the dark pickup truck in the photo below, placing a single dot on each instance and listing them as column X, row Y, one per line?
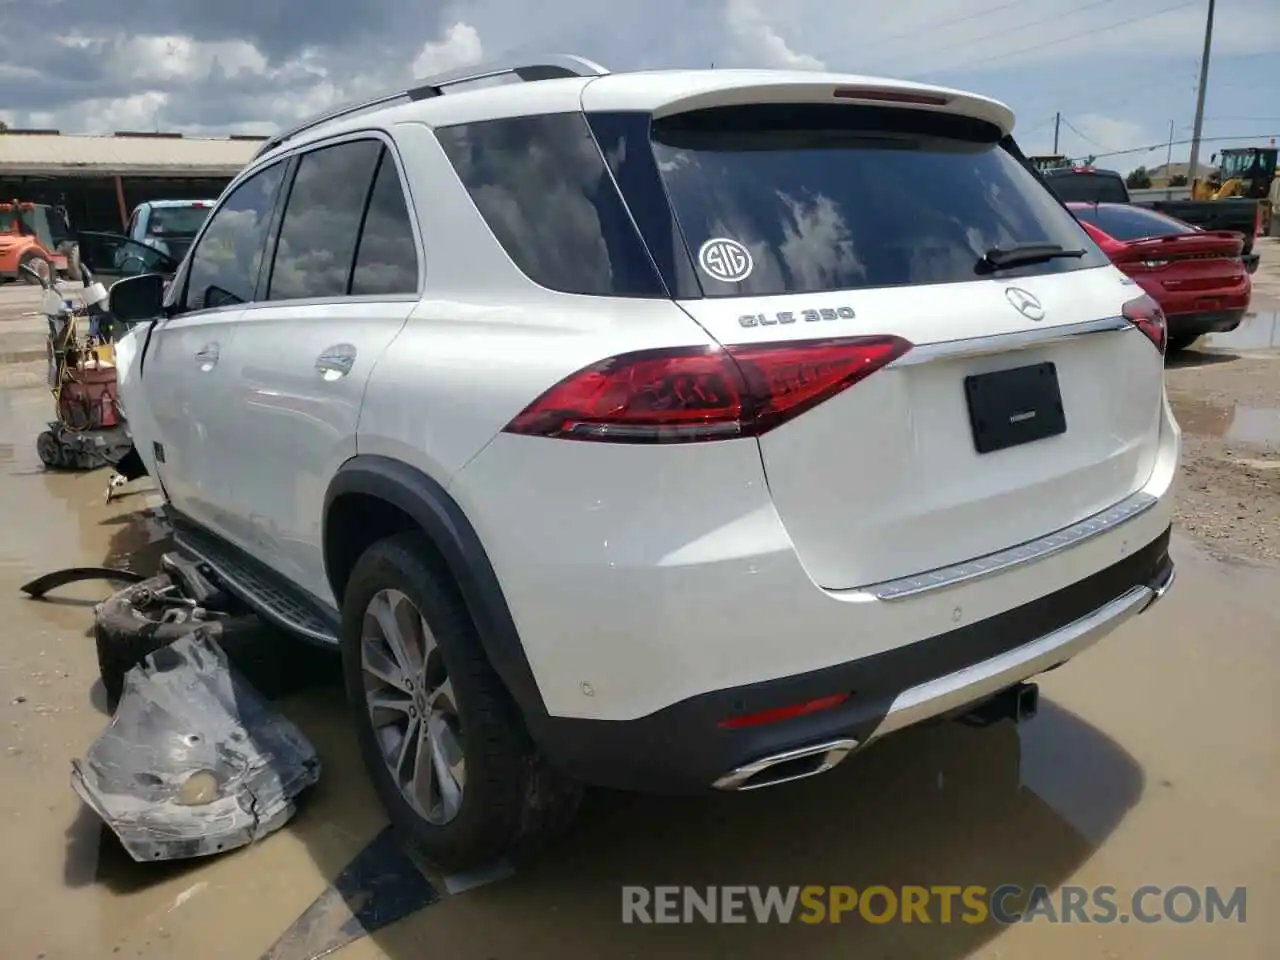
column 1106, row 186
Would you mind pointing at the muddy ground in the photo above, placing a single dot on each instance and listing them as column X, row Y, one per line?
column 1226, row 395
column 1153, row 761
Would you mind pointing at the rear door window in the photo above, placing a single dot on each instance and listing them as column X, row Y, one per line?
column 1132, row 223
column 322, row 218
column 387, row 255
column 833, row 197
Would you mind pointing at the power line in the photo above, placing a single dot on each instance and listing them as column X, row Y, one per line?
column 1066, row 39
column 915, row 31
column 1087, row 139
column 1173, row 76
column 1165, row 143
column 969, row 41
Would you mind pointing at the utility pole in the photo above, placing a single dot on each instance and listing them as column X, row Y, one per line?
column 1168, row 160
column 1204, row 81
column 1057, row 121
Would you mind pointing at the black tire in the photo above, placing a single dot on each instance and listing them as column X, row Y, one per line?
column 1180, row 342
column 34, row 260
column 49, row 450
column 512, row 802
column 126, row 633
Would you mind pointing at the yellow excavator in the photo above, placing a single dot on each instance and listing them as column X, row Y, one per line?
column 1244, row 172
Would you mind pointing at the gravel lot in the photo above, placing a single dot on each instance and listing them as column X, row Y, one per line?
column 1226, row 395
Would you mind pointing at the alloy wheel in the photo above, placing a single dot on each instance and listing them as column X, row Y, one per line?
column 412, row 706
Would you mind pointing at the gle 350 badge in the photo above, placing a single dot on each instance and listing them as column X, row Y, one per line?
column 793, row 316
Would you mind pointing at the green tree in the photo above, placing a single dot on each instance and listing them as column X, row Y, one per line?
column 1138, row 179
column 1178, row 180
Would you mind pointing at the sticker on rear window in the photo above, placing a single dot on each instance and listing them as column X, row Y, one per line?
column 725, row 260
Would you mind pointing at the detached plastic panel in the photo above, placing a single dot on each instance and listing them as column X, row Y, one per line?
column 195, row 761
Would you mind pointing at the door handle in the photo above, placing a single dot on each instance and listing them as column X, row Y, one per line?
column 336, row 361
column 207, row 356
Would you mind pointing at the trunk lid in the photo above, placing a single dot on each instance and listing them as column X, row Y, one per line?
column 1185, row 263
column 884, row 480
column 808, row 222
column 1201, row 245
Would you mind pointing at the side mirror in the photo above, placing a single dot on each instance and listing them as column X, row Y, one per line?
column 134, row 299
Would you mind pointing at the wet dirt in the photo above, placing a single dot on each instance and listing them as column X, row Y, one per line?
column 1153, row 761
column 1225, row 393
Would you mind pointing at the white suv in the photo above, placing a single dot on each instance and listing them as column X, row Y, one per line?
column 670, row 431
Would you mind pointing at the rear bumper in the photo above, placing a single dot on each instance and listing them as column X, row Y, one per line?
column 682, row 748
column 1214, row 321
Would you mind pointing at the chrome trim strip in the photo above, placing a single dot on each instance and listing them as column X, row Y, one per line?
column 1005, row 342
column 831, row 751
column 981, row 680
column 1002, row 560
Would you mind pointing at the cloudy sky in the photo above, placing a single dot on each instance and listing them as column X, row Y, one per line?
column 1120, row 71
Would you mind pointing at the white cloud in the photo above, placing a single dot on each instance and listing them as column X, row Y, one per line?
column 759, row 44
column 460, row 47
column 112, row 72
column 140, row 112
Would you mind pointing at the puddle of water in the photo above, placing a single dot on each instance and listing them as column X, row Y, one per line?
column 1242, row 424
column 1251, row 425
column 1258, row 331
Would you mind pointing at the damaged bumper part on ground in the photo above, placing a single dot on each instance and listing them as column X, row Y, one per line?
column 195, row 761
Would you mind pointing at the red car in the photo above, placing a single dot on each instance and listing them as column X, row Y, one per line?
column 1196, row 275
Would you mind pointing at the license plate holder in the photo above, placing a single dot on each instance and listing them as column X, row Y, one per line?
column 1008, row 408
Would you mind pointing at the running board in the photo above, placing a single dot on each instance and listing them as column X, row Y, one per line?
column 257, row 585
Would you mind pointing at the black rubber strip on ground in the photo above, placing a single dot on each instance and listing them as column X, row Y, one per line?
column 43, row 584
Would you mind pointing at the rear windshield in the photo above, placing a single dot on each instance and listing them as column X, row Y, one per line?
column 176, row 221
column 1131, row 223
column 833, row 197
column 1088, row 187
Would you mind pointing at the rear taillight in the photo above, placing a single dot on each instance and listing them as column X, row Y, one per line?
column 1145, row 314
column 685, row 394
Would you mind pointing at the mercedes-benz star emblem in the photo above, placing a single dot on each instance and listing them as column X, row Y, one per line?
column 1024, row 303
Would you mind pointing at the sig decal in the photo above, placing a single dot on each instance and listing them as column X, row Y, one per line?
column 725, row 260
column 791, row 316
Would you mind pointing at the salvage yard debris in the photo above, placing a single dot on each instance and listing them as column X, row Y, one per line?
column 195, row 761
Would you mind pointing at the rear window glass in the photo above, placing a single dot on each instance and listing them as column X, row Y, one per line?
column 833, row 197
column 1131, row 223
column 1088, row 187
column 176, row 221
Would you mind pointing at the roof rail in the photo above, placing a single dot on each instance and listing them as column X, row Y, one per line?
column 528, row 69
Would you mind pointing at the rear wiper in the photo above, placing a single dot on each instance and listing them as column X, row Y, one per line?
column 999, row 258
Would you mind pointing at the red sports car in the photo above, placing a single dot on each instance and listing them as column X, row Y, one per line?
column 1196, row 275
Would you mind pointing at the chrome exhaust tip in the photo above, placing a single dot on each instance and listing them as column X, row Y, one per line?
column 786, row 766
